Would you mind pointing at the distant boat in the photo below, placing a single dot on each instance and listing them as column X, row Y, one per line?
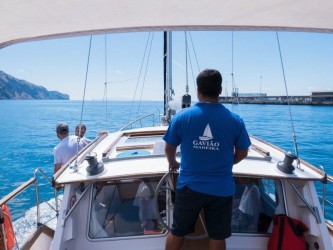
column 207, row 135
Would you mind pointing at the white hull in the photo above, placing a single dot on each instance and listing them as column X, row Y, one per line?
column 73, row 232
column 82, row 225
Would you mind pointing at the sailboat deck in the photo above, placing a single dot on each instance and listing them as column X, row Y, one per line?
column 141, row 153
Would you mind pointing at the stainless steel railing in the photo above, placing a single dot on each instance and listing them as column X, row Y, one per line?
column 26, row 185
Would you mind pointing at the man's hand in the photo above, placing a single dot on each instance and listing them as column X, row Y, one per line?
column 173, row 167
column 58, row 187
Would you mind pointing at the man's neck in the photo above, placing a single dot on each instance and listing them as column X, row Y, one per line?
column 63, row 137
column 209, row 99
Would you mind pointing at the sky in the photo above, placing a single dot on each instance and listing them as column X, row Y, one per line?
column 252, row 58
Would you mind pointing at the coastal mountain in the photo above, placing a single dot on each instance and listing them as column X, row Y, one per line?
column 16, row 89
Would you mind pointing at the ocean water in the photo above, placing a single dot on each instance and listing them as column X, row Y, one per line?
column 28, row 135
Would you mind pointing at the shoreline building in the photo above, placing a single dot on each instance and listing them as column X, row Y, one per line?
column 322, row 98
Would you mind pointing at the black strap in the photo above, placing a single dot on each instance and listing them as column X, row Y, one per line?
column 281, row 231
column 297, row 229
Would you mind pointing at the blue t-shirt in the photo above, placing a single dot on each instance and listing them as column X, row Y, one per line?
column 207, row 134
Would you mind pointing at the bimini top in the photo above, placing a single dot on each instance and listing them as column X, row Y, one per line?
column 140, row 153
column 23, row 20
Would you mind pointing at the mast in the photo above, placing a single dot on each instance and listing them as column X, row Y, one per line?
column 164, row 69
column 168, row 91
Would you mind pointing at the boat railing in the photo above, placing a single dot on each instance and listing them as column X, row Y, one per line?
column 326, row 200
column 313, row 210
column 326, row 203
column 56, row 208
column 139, row 120
column 24, row 186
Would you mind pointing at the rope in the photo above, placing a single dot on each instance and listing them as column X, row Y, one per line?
column 286, row 88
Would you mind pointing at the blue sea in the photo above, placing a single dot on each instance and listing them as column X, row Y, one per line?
column 28, row 135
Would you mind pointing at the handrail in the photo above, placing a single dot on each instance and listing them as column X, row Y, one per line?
column 326, row 200
column 137, row 120
column 319, row 171
column 330, row 178
column 77, row 202
column 37, row 195
column 24, row 186
column 17, row 191
column 312, row 210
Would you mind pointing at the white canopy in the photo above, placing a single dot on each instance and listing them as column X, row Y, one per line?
column 24, row 20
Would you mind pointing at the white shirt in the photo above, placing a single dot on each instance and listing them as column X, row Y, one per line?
column 85, row 140
column 146, row 194
column 66, row 149
column 250, row 201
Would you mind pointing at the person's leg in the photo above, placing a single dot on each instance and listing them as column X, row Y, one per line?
column 217, row 244
column 218, row 212
column 186, row 209
column 173, row 242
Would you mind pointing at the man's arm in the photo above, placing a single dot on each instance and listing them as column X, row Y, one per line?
column 170, row 152
column 239, row 155
column 57, row 166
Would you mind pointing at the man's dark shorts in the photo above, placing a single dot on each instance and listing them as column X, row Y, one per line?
column 217, row 210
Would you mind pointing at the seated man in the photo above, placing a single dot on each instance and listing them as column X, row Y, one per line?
column 246, row 218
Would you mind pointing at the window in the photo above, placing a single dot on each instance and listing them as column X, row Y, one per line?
column 255, row 202
column 124, row 208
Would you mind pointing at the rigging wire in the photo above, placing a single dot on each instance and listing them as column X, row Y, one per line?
column 193, row 77
column 190, row 61
column 186, row 67
column 106, row 83
column 144, row 77
column 138, row 80
column 126, row 80
column 188, row 54
column 85, row 81
column 234, row 89
column 195, row 54
column 82, row 106
column 105, row 101
column 286, row 88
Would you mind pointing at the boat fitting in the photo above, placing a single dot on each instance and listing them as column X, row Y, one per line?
column 286, row 166
column 94, row 167
column 324, row 179
column 186, row 101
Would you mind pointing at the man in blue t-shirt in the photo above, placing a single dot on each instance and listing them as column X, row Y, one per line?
column 211, row 140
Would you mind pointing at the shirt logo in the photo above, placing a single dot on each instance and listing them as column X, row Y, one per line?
column 207, row 134
column 205, row 141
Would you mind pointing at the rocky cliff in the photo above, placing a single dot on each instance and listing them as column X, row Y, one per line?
column 13, row 88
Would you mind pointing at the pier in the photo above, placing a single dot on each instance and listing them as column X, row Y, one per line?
column 315, row 99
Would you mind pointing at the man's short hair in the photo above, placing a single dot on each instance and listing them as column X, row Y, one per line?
column 209, row 83
column 81, row 125
column 62, row 128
